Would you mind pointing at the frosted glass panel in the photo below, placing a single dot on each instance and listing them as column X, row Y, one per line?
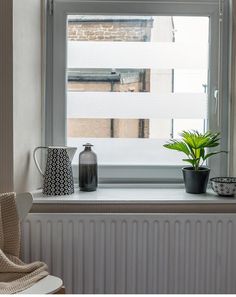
column 137, row 55
column 137, row 151
column 135, row 105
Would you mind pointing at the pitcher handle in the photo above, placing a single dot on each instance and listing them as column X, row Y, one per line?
column 35, row 159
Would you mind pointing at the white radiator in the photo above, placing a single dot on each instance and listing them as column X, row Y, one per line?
column 135, row 253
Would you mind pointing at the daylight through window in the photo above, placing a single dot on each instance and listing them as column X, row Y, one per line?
column 135, row 81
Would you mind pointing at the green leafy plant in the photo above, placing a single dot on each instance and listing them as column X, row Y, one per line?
column 195, row 146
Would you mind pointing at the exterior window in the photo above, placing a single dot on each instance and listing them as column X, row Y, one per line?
column 127, row 82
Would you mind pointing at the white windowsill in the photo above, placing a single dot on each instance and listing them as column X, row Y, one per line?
column 133, row 195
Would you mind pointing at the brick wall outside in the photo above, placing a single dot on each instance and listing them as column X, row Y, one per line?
column 110, row 31
column 101, row 128
column 88, row 128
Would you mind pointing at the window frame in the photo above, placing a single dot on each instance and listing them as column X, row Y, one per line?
column 219, row 74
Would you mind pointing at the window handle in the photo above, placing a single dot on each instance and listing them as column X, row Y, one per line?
column 216, row 97
column 216, row 106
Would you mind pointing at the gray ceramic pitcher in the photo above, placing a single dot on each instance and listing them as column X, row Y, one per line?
column 58, row 177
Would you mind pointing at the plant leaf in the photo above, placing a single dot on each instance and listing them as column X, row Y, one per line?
column 192, row 162
column 202, row 153
column 178, row 146
column 212, row 154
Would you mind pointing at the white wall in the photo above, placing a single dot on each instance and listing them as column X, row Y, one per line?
column 26, row 91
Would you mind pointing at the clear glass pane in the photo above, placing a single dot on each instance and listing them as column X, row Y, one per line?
column 108, row 80
column 133, row 82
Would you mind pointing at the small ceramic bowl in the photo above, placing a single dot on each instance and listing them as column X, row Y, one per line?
column 224, row 186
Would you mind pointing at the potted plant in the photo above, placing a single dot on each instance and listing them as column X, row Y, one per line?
column 195, row 145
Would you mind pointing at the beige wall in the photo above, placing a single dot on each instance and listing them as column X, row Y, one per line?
column 6, row 97
column 27, row 91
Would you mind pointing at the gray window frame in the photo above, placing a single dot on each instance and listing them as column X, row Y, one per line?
column 219, row 76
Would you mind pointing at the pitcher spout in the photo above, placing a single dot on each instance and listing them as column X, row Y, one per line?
column 71, row 152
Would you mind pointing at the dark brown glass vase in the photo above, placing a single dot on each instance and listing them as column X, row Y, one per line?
column 88, row 176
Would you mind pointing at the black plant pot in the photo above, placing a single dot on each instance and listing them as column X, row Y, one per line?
column 196, row 180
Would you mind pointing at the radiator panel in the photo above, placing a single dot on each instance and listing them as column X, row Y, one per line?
column 142, row 253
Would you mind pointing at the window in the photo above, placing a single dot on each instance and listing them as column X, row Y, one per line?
column 129, row 76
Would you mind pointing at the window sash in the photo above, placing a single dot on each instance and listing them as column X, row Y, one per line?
column 55, row 104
